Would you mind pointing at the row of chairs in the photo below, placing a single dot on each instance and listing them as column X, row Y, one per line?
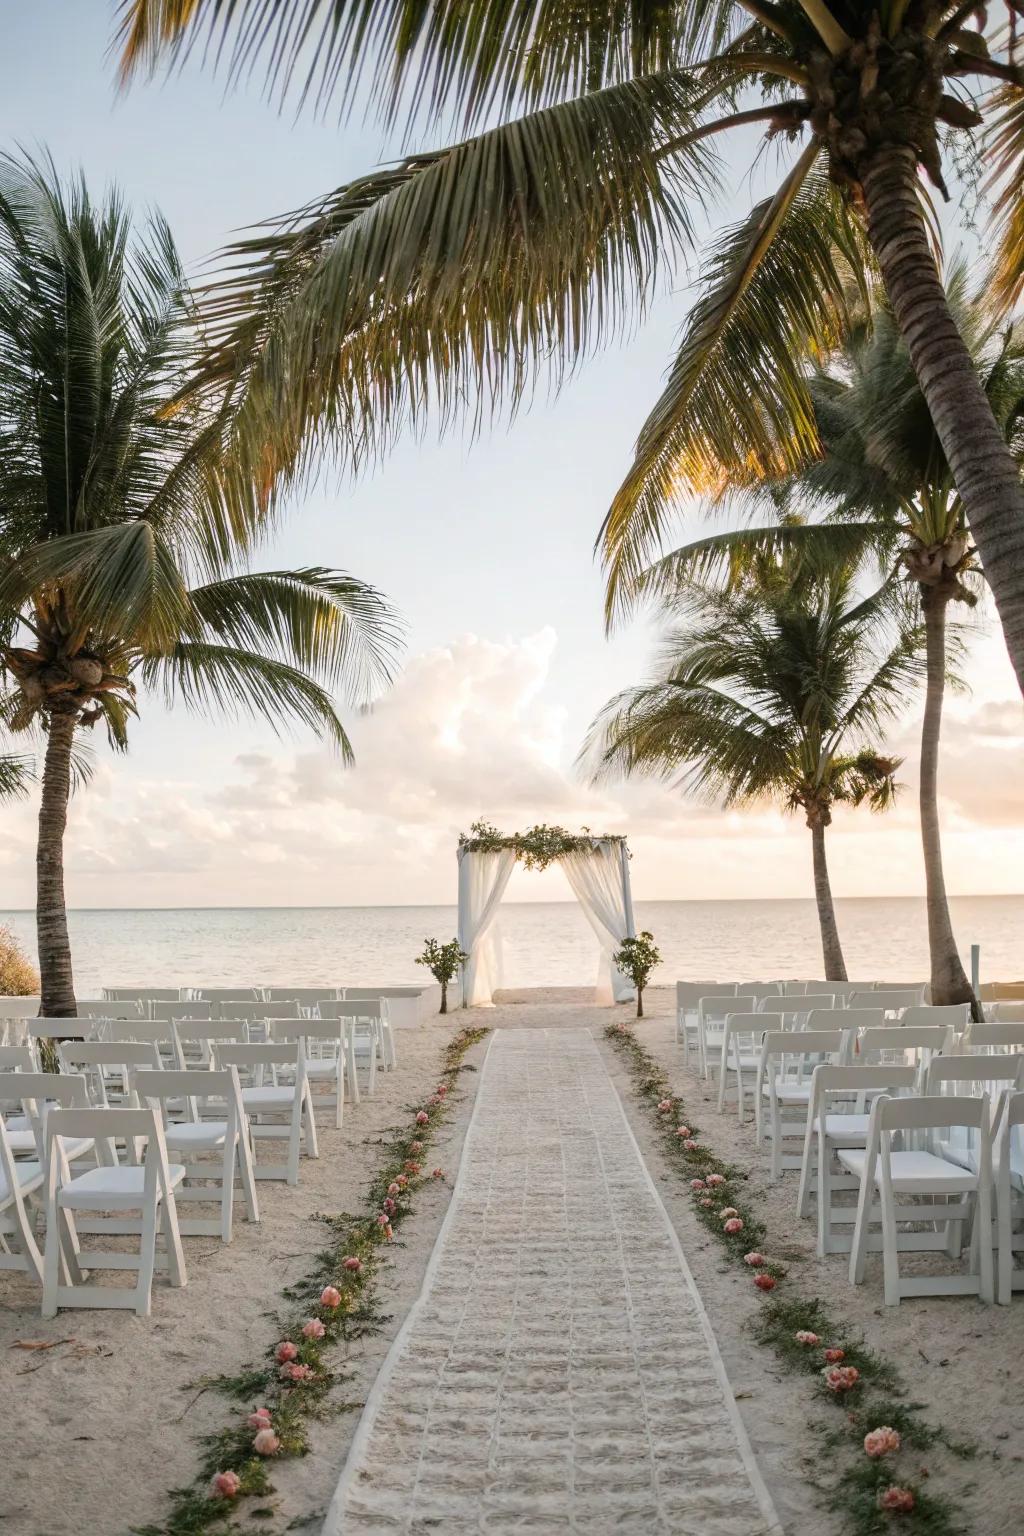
column 914, row 1109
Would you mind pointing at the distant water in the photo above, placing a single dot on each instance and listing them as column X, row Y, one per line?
column 545, row 944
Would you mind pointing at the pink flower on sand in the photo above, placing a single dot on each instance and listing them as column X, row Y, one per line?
column 707, row 1202
column 259, row 1418
column 354, row 1264
column 697, row 1184
column 727, row 1211
column 438, row 1173
column 690, row 1145
column 412, row 1167
column 265, row 1443
column 422, row 1117
column 881, row 1441
column 285, row 1351
column 313, row 1329
column 755, row 1260
column 682, row 1130
column 805, row 1336
column 898, row 1501
column 390, row 1207
column 441, row 1090
column 225, row 1485
column 293, row 1372
column 833, row 1356
column 394, row 1189
column 403, row 1179
column 733, row 1225
column 415, row 1146
column 329, row 1296
column 764, row 1282
column 383, row 1220
column 841, row 1378
column 716, row 1178
column 435, row 1100
column 664, row 1106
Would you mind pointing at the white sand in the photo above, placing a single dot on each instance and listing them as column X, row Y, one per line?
column 105, row 1424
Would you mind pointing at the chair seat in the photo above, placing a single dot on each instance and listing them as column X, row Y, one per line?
column 112, row 1188
column 25, row 1141
column 852, row 1129
column 913, row 1170
column 788, row 1092
column 256, row 1099
column 196, row 1137
column 29, row 1176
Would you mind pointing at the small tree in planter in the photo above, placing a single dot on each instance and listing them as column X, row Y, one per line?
column 443, row 962
column 636, row 959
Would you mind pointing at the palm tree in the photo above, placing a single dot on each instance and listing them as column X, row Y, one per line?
column 883, row 477
column 458, row 272
column 123, row 543
column 772, row 691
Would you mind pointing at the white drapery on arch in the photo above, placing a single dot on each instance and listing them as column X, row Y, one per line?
column 599, row 878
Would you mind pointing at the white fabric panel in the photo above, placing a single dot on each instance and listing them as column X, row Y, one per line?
column 482, row 881
column 599, row 884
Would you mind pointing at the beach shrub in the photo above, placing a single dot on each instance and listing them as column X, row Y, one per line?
column 18, row 976
column 636, row 958
column 443, row 962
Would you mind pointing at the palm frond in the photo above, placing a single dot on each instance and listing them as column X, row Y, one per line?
column 1005, row 143
column 736, row 406
column 234, row 682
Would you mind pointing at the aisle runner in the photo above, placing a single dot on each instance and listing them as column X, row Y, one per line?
column 558, row 1373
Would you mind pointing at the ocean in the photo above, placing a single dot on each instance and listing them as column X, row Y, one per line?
column 545, row 943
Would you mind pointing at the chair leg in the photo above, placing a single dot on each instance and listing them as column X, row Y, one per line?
column 351, row 1071
column 803, row 1194
column 1004, row 1235
column 983, row 1225
column 51, row 1263
column 890, row 1246
column 824, row 1196
column 147, row 1261
column 244, row 1153
column 27, row 1239
column 227, row 1193
column 172, row 1241
column 312, row 1147
column 865, row 1200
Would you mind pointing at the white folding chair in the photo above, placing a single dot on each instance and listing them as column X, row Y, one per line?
column 39, row 1092
column 194, row 1040
column 20, row 1179
column 156, row 1032
column 147, row 1187
column 954, row 1016
column 992, row 1039
column 934, row 1190
column 306, row 997
column 783, row 1086
column 65, row 1029
column 143, row 995
column 688, row 996
column 838, row 1117
column 19, row 1007
column 105, row 1066
column 164, row 1010
column 370, row 1031
column 330, row 1057
column 712, row 1010
column 760, row 991
column 740, row 1053
column 104, row 1008
column 892, row 1002
column 1005, row 1013
column 977, row 1075
column 277, row 1111
column 902, row 1043
column 1009, row 1182
column 227, row 1139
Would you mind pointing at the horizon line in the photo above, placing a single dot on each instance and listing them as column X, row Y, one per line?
column 413, row 906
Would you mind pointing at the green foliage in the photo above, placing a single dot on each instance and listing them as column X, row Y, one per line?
column 18, row 976
column 363, row 1237
column 442, row 960
column 538, row 846
column 879, row 1397
column 636, row 958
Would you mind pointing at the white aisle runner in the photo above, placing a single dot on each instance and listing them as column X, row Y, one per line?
column 558, row 1373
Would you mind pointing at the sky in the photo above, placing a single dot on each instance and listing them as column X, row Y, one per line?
column 486, row 550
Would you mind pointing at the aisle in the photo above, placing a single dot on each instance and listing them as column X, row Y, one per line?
column 558, row 1373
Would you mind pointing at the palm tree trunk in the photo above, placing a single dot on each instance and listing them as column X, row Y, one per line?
column 948, row 978
column 58, row 986
column 832, row 950
column 984, row 472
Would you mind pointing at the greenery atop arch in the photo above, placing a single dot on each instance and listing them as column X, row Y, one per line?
column 538, row 846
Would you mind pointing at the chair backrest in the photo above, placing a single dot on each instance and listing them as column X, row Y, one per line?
column 227, row 994
column 143, row 994
column 793, row 988
column 308, row 1029
column 719, row 1005
column 759, row 989
column 825, row 999
column 895, row 999
column 689, row 993
column 1006, row 1013
column 253, row 1058
column 283, row 1008
column 792, row 1049
column 955, row 1016
column 853, row 1018
column 38, row 1091
column 63, row 1029
column 19, row 1007
column 110, row 1126
column 306, row 996
column 932, row 1112
column 17, row 1058
column 201, row 1035
column 849, row 1082
column 924, row 1040
column 148, row 1031
column 165, row 1010
column 105, row 1008
column 1004, row 1036
column 349, row 1008
column 191, row 1085
column 973, row 1069
column 90, row 1057
column 747, row 1030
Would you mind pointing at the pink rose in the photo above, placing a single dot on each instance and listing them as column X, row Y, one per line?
column 682, row 1130
column 412, row 1167
column 733, row 1225
column 285, row 1351
column 225, row 1485
column 394, row 1189
column 293, row 1372
column 764, row 1282
column 898, row 1501
column 329, row 1297
column 841, row 1378
column 260, row 1419
column 390, row 1207
column 716, row 1178
column 441, row 1090
column 881, row 1441
column 438, row 1173
column 403, row 1180
column 265, row 1443
column 422, row 1117
column 707, row 1202
column 833, row 1356
column 435, row 1100
column 415, row 1146
column 727, row 1211
column 804, row 1336
column 354, row 1264
column 697, row 1184
column 664, row 1106
column 690, row 1145
column 313, row 1329
column 755, row 1260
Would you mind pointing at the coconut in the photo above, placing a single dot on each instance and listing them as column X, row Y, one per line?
column 86, row 670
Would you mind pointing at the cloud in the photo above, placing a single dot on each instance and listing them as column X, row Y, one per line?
column 471, row 730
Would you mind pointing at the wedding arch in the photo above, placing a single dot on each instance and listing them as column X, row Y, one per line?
column 597, row 869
